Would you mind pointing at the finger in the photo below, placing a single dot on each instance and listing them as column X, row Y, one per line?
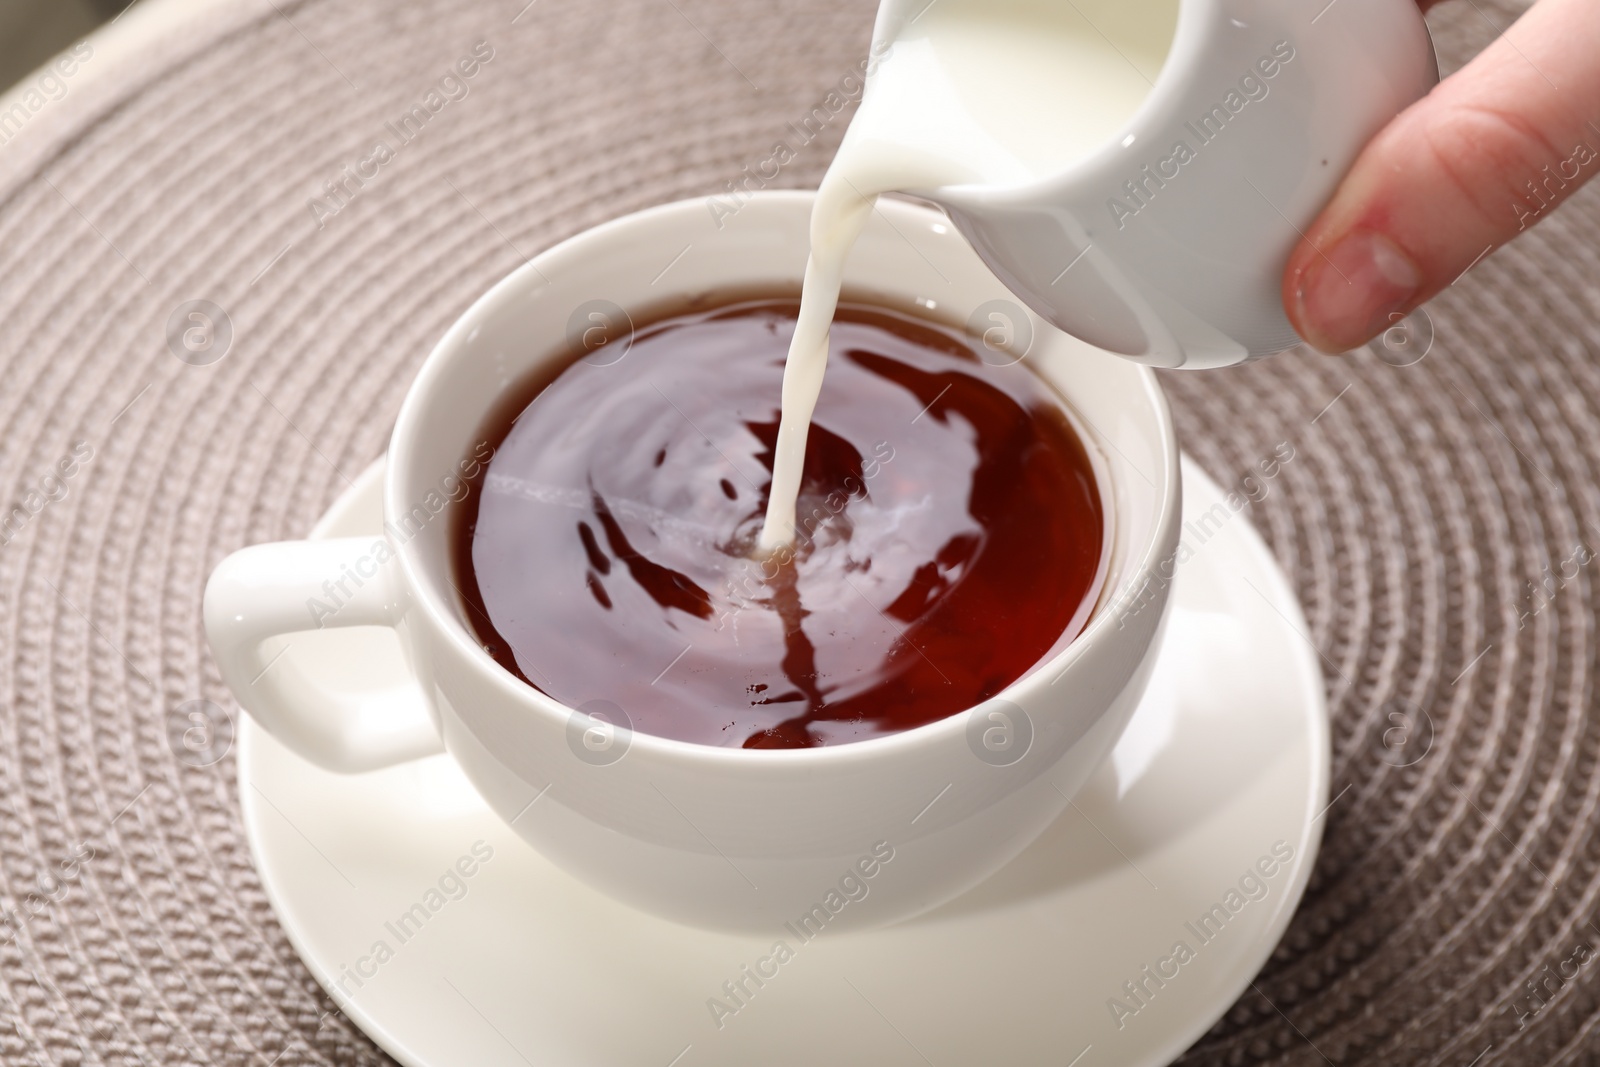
column 1489, row 152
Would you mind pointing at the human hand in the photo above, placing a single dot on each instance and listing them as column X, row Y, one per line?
column 1484, row 156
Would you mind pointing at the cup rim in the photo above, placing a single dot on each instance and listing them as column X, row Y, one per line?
column 533, row 274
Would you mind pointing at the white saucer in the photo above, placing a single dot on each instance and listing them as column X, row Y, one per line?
column 1227, row 756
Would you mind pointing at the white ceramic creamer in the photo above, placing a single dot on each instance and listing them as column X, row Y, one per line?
column 1185, row 207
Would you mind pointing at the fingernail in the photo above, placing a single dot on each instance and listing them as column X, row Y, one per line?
column 1349, row 294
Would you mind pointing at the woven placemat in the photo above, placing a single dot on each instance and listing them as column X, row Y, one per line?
column 1437, row 518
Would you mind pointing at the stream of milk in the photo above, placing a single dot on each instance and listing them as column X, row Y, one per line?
column 986, row 92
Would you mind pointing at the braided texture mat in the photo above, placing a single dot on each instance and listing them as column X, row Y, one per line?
column 1438, row 517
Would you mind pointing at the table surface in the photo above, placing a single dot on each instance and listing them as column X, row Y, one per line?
column 1437, row 518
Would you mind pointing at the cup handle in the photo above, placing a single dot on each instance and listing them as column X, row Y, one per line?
column 269, row 592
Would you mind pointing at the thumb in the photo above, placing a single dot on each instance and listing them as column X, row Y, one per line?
column 1485, row 155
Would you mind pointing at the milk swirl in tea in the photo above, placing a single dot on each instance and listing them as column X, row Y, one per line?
column 950, row 532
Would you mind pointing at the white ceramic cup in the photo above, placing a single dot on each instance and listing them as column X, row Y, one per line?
column 850, row 835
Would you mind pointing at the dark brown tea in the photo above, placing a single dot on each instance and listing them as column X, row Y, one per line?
column 950, row 532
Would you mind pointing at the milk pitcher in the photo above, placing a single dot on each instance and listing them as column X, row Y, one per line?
column 1168, row 244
